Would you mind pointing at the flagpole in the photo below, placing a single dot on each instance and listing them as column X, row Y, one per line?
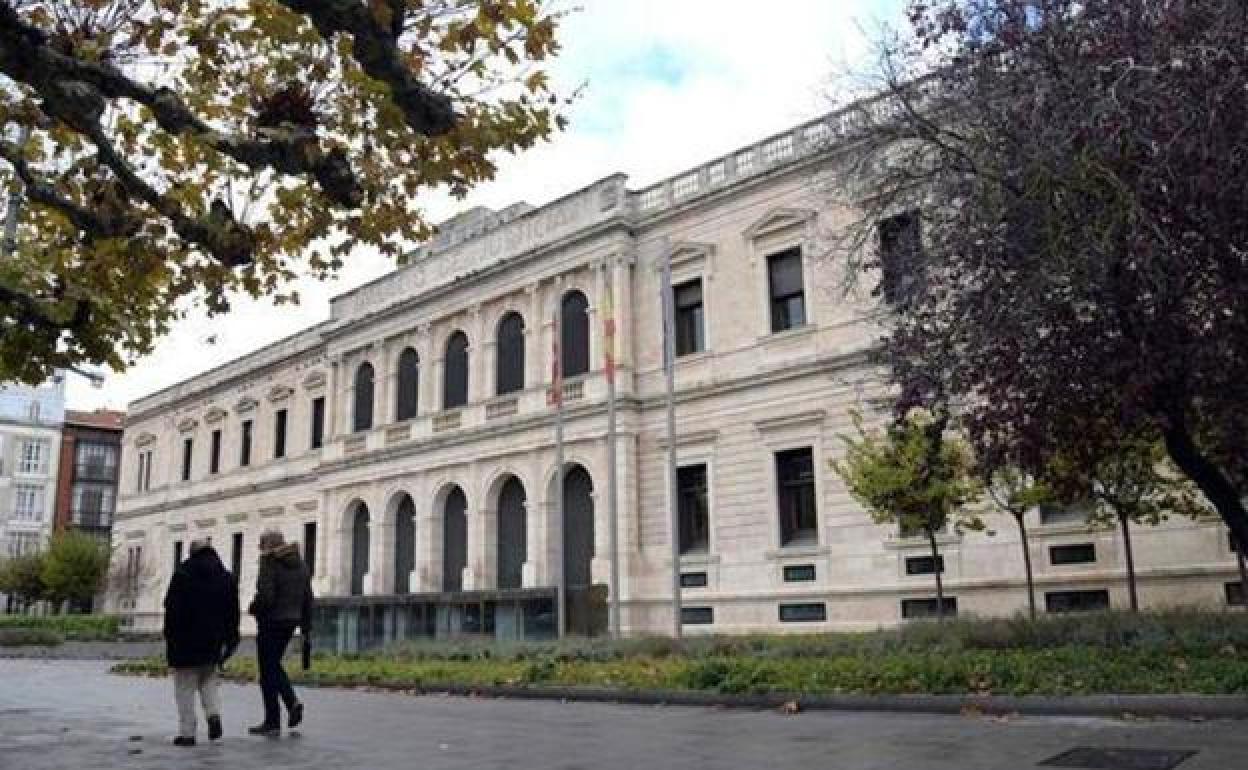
column 669, row 368
column 612, row 493
column 561, row 593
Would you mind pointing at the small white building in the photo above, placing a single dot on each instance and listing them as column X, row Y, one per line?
column 409, row 441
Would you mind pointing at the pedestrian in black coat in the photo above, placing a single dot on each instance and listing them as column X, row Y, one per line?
column 283, row 603
column 201, row 633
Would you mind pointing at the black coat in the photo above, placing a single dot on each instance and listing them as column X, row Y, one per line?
column 283, row 589
column 201, row 612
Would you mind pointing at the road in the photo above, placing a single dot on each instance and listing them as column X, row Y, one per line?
column 73, row 714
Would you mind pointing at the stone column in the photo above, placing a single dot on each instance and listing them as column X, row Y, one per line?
column 535, row 362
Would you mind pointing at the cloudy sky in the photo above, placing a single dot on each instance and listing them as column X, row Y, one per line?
column 668, row 84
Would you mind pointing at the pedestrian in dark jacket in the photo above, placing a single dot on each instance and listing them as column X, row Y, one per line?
column 201, row 633
column 283, row 602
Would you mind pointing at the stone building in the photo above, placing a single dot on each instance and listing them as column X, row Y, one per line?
column 409, row 441
column 30, row 433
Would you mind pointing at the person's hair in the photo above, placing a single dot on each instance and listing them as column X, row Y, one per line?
column 271, row 539
column 201, row 544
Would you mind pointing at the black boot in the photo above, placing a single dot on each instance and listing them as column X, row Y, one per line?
column 184, row 740
column 265, row 729
column 215, row 731
column 296, row 715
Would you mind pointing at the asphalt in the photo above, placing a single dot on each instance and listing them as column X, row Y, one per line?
column 73, row 714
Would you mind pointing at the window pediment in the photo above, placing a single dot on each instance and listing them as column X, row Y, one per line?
column 314, row 380
column 687, row 255
column 779, row 220
column 215, row 415
column 245, row 405
column 280, row 393
column 187, row 424
column 145, row 439
column 781, row 427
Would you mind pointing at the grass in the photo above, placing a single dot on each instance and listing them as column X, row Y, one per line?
column 29, row 637
column 88, row 628
column 1156, row 653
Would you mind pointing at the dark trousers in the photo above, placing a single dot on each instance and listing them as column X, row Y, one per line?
column 271, row 641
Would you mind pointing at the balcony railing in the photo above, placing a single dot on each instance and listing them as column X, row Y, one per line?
column 95, row 472
column 447, row 421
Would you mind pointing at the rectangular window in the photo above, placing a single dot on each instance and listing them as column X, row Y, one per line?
column 924, row 565
column 813, row 612
column 279, row 434
column 788, row 298
column 795, row 493
column 188, row 446
column 318, row 422
column 236, row 556
column 901, row 257
column 1076, row 601
column 215, row 461
column 95, row 462
column 693, row 580
column 694, row 517
column 34, row 457
column 913, row 609
column 309, row 546
column 177, row 553
column 1234, row 593
column 799, row 573
column 147, row 472
column 28, row 502
column 244, row 452
column 689, row 317
column 1082, row 553
column 1230, row 542
column 697, row 616
column 138, row 477
column 93, row 504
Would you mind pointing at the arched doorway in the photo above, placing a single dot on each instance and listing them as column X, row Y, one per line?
column 586, row 607
column 359, row 548
column 454, row 540
column 512, row 534
column 404, row 545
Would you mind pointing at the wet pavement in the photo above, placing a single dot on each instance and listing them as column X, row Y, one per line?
column 74, row 715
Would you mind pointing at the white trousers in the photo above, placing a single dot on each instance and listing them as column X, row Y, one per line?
column 187, row 682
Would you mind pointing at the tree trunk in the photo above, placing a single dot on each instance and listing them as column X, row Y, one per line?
column 1125, row 522
column 1031, row 581
column 937, row 569
column 1209, row 477
column 1243, row 573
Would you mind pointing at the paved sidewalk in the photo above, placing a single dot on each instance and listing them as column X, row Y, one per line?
column 70, row 714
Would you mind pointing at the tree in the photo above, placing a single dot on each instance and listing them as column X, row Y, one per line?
column 1015, row 492
column 74, row 568
column 1078, row 167
column 183, row 150
column 913, row 476
column 22, row 578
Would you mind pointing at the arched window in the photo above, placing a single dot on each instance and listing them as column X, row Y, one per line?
column 574, row 334
column 512, row 534
column 359, row 548
column 454, row 540
column 363, row 419
column 407, row 398
column 509, row 361
column 455, row 372
column 404, row 545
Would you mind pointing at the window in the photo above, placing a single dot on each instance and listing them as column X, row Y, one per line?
column 28, row 502
column 363, row 416
column 34, row 411
column 913, row 609
column 455, row 372
column 214, row 460
column 34, row 458
column 138, row 477
column 799, row 573
column 901, row 258
column 689, row 317
column 697, row 616
column 279, row 434
column 236, row 556
column 788, row 301
column 93, row 504
column 407, row 399
column 693, row 580
column 177, row 553
column 925, row 565
column 1083, row 553
column 147, row 471
column 795, row 492
column 813, row 612
column 1234, row 593
column 1076, row 601
column 244, row 452
column 318, row 422
column 509, row 355
column 692, row 497
column 134, row 568
column 188, row 447
column 1062, row 513
column 23, row 543
column 574, row 334
column 309, row 546
column 95, row 461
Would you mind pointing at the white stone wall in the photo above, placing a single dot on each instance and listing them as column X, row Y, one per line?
column 750, row 394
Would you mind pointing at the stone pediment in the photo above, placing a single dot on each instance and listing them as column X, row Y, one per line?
column 215, row 414
column 245, row 404
column 778, row 220
column 685, row 254
column 314, row 380
column 280, row 393
column 145, row 439
column 187, row 424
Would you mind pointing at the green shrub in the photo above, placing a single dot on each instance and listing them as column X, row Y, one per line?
column 77, row 627
column 29, row 637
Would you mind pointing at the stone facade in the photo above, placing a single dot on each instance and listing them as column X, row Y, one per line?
column 755, row 391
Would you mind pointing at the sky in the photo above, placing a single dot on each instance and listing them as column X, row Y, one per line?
column 668, row 84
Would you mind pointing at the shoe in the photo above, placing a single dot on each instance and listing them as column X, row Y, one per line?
column 268, row 730
column 215, row 730
column 184, row 740
column 296, row 715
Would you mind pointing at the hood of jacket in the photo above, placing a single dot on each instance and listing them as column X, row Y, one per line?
column 286, row 554
column 203, row 563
